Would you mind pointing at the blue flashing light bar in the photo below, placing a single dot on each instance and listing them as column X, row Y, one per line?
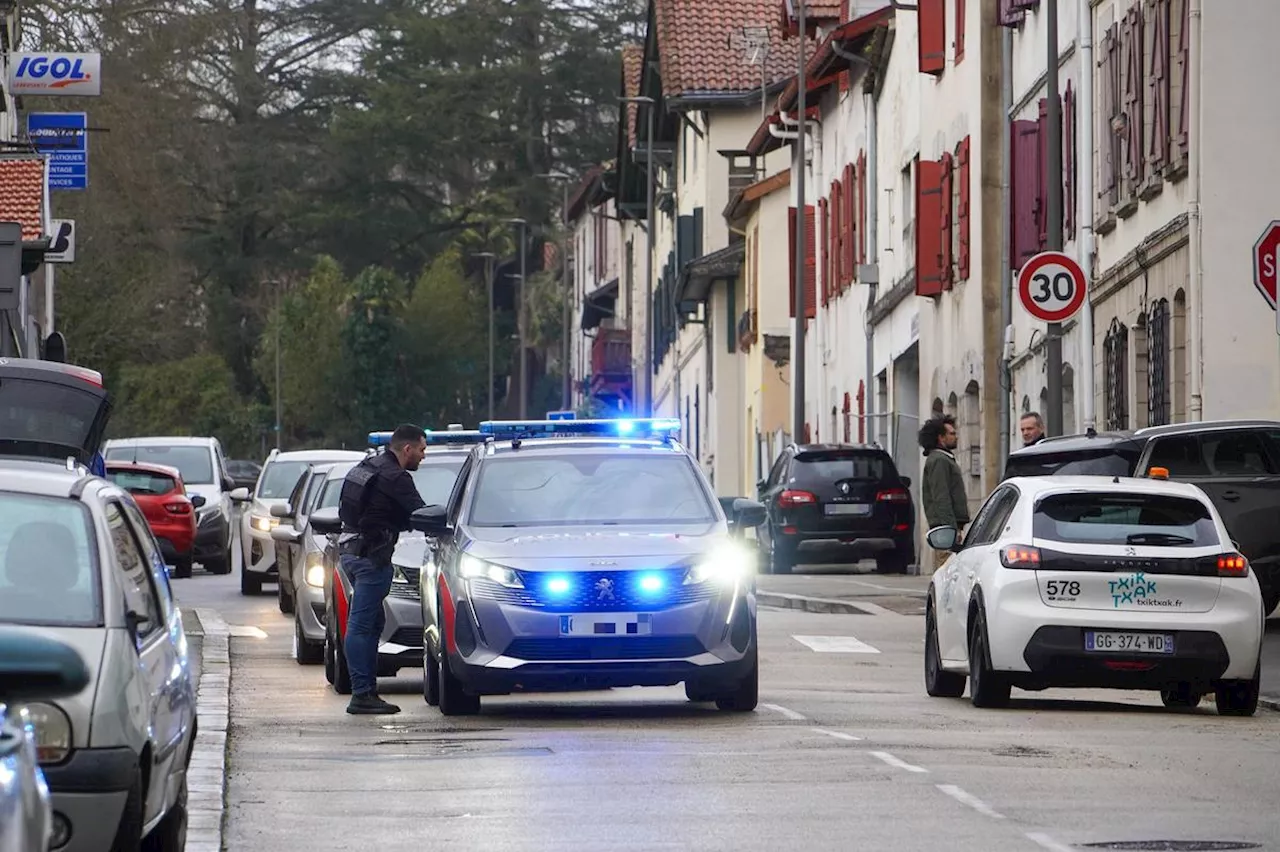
column 379, row 439
column 453, row 436
column 657, row 427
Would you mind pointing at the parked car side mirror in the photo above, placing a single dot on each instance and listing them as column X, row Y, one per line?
column 748, row 514
column 240, row 495
column 762, row 484
column 35, row 667
column 430, row 520
column 228, row 484
column 325, row 521
column 943, row 538
column 197, row 500
column 282, row 510
column 286, row 534
column 906, row 481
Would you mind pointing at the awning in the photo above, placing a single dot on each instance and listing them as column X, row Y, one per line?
column 598, row 305
column 699, row 274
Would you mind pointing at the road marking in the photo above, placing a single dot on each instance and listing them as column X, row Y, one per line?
column 840, row 735
column 836, row 644
column 964, row 797
column 790, row 714
column 246, row 631
column 897, row 763
column 1047, row 842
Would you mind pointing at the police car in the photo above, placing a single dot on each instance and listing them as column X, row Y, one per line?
column 400, row 645
column 1088, row 581
column 587, row 554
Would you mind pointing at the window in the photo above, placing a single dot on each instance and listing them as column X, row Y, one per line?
column 1111, row 123
column 1133, row 94
column 49, row 573
column 815, row 468
column 142, row 481
column 194, row 463
column 587, row 488
column 134, row 572
column 1115, row 375
column 1217, row 453
column 151, row 552
column 810, row 270
column 1158, row 390
column 332, row 494
column 279, row 478
column 1118, row 460
column 1117, row 518
column 992, row 517
column 46, row 414
column 435, row 479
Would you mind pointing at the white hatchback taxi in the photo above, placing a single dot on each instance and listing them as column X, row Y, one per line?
column 1095, row 582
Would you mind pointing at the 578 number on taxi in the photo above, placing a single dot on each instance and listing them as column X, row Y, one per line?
column 1062, row 588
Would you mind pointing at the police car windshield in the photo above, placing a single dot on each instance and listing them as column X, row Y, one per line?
column 279, row 479
column 435, row 479
column 588, row 488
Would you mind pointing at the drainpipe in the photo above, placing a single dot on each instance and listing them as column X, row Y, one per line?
column 872, row 194
column 819, row 310
column 1084, row 145
column 1006, row 271
column 1195, row 285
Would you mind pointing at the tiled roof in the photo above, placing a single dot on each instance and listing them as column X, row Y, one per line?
column 632, row 68
column 22, row 194
column 703, row 47
column 815, row 11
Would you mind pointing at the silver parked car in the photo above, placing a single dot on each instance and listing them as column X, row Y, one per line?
column 32, row 668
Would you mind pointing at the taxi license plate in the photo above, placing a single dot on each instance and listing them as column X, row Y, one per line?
column 848, row 509
column 607, row 624
column 1129, row 643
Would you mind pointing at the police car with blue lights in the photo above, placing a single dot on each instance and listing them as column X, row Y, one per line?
column 400, row 639
column 587, row 554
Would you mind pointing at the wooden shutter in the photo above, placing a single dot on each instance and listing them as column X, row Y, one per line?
column 823, row 215
column 862, row 207
column 932, row 18
column 1024, row 5
column 843, row 81
column 810, row 272
column 1134, row 67
column 1042, row 177
column 946, row 189
column 850, row 195
column 1158, row 88
column 836, row 263
column 1069, row 164
column 1024, row 192
column 1184, row 71
column 962, row 211
column 959, row 30
column 928, row 227
column 1007, row 15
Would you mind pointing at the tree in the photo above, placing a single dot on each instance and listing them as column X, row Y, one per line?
column 373, row 365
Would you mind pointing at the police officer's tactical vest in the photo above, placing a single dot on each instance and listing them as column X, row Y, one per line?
column 357, row 489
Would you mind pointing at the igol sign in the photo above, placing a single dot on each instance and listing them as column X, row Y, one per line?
column 69, row 74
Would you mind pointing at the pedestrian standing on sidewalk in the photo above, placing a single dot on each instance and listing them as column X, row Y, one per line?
column 1031, row 427
column 942, row 493
column 378, row 496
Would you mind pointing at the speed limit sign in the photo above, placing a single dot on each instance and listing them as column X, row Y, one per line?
column 1051, row 286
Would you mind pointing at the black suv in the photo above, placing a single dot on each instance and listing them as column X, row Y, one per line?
column 836, row 503
column 1235, row 462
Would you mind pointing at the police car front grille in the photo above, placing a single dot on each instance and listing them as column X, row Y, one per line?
column 598, row 591
column 410, row 637
column 400, row 590
column 604, row 648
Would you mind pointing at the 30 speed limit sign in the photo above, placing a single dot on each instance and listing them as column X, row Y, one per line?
column 1051, row 286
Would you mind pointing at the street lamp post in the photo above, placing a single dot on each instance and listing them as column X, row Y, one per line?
column 798, row 369
column 488, row 277
column 566, row 352
column 648, row 257
column 520, row 323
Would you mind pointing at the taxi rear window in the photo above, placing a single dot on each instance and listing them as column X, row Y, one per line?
column 1117, row 518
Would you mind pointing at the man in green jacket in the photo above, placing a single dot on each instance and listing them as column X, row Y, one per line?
column 942, row 493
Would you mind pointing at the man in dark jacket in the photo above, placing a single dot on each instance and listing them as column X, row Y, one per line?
column 378, row 496
column 1031, row 427
column 942, row 493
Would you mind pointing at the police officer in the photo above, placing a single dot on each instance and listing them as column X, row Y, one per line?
column 378, row 495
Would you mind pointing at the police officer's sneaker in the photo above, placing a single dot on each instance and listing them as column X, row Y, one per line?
column 369, row 704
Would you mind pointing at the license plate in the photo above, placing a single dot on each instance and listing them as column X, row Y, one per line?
column 607, row 624
column 848, row 509
column 1128, row 643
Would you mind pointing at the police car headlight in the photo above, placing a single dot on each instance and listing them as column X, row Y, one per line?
column 728, row 563
column 51, row 729
column 262, row 523
column 472, row 568
column 315, row 571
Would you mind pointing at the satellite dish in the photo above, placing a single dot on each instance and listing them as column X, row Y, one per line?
column 55, row 348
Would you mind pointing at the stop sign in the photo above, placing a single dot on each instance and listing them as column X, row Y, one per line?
column 1266, row 262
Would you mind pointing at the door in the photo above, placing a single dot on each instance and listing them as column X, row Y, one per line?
column 297, row 551
column 156, row 660
column 773, row 487
column 963, row 571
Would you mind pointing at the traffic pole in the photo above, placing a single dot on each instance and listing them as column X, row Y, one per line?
column 1053, row 212
column 798, row 369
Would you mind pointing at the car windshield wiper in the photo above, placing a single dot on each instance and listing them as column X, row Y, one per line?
column 1158, row 538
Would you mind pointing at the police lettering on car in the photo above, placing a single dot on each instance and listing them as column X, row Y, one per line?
column 378, row 496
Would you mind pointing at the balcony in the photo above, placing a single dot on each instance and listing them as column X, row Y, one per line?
column 748, row 331
column 611, row 367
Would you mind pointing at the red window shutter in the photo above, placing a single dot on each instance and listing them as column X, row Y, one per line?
column 823, row 215
column 1024, row 191
column 1069, row 164
column 791, row 259
column 837, row 235
column 850, row 195
column 962, row 211
column 848, row 407
column 945, row 194
column 1158, row 83
column 932, row 17
column 843, row 82
column 928, row 228
column 810, row 263
column 1042, row 177
column 959, row 30
column 862, row 207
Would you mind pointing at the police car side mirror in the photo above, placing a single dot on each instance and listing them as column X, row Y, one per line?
column 325, row 521
column 430, row 520
column 748, row 514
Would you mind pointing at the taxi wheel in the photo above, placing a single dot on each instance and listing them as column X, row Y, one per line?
column 1180, row 697
column 938, row 682
column 430, row 677
column 746, row 695
column 987, row 688
column 171, row 834
column 1239, row 697
column 182, row 568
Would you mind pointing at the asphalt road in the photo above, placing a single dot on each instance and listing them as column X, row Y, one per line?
column 845, row 752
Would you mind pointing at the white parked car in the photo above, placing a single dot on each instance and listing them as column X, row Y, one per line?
column 1095, row 582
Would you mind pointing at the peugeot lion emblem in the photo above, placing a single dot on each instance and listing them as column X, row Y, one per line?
column 604, row 589
column 1129, row 551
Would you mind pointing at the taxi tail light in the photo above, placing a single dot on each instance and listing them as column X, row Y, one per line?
column 178, row 508
column 893, row 495
column 790, row 499
column 1232, row 565
column 1020, row 556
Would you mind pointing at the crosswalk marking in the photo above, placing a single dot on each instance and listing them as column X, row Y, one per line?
column 836, row 644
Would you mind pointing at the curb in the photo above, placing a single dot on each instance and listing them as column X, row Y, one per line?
column 207, row 778
column 1269, row 703
column 811, row 604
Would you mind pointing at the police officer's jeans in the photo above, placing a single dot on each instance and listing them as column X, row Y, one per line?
column 371, row 583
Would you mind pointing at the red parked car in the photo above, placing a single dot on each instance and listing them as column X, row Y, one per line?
column 161, row 495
